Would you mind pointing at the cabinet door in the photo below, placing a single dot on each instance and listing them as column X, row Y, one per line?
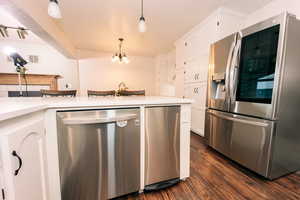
column 198, row 120
column 197, row 92
column 179, row 83
column 180, row 54
column 24, row 157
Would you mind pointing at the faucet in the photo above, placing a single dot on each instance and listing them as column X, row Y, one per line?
column 122, row 86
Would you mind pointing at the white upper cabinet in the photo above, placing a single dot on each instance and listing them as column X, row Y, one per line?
column 24, row 158
column 197, row 42
column 192, row 57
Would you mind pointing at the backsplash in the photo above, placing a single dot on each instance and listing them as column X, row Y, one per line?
column 5, row 88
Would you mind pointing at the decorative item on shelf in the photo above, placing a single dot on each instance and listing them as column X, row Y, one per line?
column 142, row 21
column 21, row 31
column 54, row 10
column 20, row 63
column 120, row 56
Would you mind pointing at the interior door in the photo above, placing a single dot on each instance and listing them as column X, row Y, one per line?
column 25, row 162
column 257, row 70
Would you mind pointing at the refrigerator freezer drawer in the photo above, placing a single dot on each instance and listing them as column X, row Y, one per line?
column 243, row 139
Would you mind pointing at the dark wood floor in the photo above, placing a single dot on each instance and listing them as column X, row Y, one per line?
column 214, row 177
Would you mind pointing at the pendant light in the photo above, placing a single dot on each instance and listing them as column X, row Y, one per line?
column 53, row 9
column 120, row 56
column 142, row 21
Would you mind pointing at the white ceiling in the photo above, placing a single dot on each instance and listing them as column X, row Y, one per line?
column 96, row 25
column 7, row 20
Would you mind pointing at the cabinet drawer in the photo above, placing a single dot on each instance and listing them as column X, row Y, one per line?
column 197, row 92
column 195, row 75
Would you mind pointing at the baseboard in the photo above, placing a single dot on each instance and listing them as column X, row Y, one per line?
column 200, row 133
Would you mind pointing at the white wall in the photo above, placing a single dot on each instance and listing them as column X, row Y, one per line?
column 272, row 9
column 50, row 62
column 101, row 74
column 165, row 66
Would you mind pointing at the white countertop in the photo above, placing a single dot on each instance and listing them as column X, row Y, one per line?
column 14, row 107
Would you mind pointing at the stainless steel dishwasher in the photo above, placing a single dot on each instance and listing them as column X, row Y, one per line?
column 162, row 126
column 99, row 153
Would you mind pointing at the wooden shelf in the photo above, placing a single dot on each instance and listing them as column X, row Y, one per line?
column 32, row 79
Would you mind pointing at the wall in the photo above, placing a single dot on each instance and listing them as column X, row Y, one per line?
column 272, row 9
column 101, row 74
column 50, row 62
column 165, row 65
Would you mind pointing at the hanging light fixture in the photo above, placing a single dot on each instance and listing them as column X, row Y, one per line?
column 53, row 9
column 120, row 56
column 142, row 21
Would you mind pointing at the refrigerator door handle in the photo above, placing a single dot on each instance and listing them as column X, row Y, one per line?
column 233, row 71
column 227, row 73
column 244, row 121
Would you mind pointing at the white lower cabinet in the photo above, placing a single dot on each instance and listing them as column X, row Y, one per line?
column 197, row 92
column 23, row 160
column 198, row 120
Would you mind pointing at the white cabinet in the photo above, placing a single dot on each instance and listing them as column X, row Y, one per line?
column 24, row 161
column 197, row 92
column 192, row 54
column 198, row 120
column 179, row 83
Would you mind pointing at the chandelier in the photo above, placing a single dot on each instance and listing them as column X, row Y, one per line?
column 120, row 56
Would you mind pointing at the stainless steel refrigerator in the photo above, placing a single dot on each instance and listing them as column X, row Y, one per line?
column 253, row 99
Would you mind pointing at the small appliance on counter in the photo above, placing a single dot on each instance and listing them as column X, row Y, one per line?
column 252, row 113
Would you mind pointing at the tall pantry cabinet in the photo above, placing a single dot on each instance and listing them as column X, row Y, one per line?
column 192, row 59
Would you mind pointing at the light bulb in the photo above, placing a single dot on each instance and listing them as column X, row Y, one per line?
column 125, row 59
column 114, row 58
column 9, row 51
column 142, row 25
column 53, row 9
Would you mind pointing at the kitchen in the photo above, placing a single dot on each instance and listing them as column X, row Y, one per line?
column 151, row 113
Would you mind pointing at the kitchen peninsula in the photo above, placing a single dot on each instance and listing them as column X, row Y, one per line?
column 30, row 148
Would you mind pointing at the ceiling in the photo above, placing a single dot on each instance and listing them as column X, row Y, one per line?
column 96, row 25
column 7, row 20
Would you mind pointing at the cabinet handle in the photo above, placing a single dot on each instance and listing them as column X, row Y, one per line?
column 14, row 153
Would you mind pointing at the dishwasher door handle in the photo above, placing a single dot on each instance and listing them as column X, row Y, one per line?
column 98, row 120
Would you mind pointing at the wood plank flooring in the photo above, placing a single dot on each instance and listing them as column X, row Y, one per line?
column 213, row 177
